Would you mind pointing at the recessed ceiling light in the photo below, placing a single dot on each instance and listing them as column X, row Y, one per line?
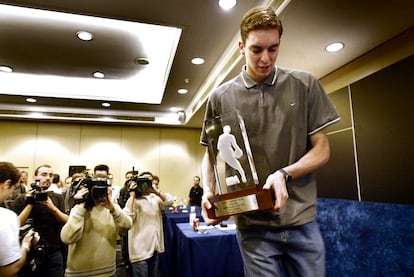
column 106, row 104
column 182, row 91
column 36, row 115
column 334, row 47
column 141, row 61
column 7, row 69
column 107, row 118
column 83, row 35
column 31, row 100
column 167, row 119
column 227, row 4
column 98, row 74
column 175, row 109
column 197, row 61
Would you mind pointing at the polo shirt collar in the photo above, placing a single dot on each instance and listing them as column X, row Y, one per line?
column 249, row 82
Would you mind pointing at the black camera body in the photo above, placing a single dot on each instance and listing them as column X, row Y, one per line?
column 38, row 195
column 37, row 252
column 144, row 183
column 97, row 187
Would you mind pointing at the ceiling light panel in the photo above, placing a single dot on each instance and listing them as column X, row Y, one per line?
column 227, row 4
column 98, row 75
column 86, row 36
column 156, row 43
column 334, row 47
column 182, row 91
column 197, row 61
column 31, row 100
column 7, row 69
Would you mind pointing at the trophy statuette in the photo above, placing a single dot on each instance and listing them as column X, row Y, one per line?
column 234, row 167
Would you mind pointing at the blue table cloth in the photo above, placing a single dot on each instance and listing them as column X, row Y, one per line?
column 213, row 254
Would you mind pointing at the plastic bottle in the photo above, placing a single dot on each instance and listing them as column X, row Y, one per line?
column 193, row 215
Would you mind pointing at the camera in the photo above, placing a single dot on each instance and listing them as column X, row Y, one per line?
column 37, row 252
column 97, row 188
column 144, row 183
column 38, row 195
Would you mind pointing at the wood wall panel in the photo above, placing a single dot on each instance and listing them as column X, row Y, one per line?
column 172, row 153
column 337, row 179
column 384, row 127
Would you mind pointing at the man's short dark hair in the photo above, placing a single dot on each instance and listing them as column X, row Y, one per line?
column 101, row 167
column 146, row 173
column 130, row 172
column 56, row 178
column 40, row 166
column 9, row 172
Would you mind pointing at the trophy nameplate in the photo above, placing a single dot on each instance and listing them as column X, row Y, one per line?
column 234, row 170
column 243, row 201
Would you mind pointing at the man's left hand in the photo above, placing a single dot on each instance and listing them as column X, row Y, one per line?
column 276, row 181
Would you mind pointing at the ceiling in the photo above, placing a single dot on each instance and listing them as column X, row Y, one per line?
column 46, row 51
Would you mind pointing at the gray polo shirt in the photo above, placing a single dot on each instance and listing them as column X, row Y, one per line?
column 279, row 116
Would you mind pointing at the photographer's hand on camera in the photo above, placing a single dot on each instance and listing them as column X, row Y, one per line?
column 29, row 197
column 49, row 204
column 108, row 203
column 27, row 240
column 131, row 189
column 59, row 215
column 81, row 194
column 157, row 192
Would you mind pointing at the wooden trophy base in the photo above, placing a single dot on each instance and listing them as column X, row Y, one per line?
column 242, row 201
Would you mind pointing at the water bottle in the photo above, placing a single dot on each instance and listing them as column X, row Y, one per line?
column 192, row 215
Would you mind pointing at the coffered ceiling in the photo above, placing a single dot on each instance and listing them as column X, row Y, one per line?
column 145, row 49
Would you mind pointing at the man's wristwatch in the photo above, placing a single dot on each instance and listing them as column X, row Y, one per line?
column 288, row 178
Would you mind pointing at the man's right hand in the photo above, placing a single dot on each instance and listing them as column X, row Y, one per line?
column 80, row 194
column 27, row 240
column 29, row 197
column 206, row 205
column 132, row 188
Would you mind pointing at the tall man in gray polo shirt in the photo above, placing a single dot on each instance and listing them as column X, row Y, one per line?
column 285, row 113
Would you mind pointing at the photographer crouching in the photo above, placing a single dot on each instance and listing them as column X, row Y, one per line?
column 92, row 229
column 12, row 256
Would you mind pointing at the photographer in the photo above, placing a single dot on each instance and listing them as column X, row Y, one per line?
column 124, row 192
column 45, row 209
column 92, row 229
column 146, row 236
column 12, row 255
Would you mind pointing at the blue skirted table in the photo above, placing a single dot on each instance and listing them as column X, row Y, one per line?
column 170, row 220
column 212, row 254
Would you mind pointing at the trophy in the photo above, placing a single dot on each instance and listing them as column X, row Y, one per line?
column 234, row 170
